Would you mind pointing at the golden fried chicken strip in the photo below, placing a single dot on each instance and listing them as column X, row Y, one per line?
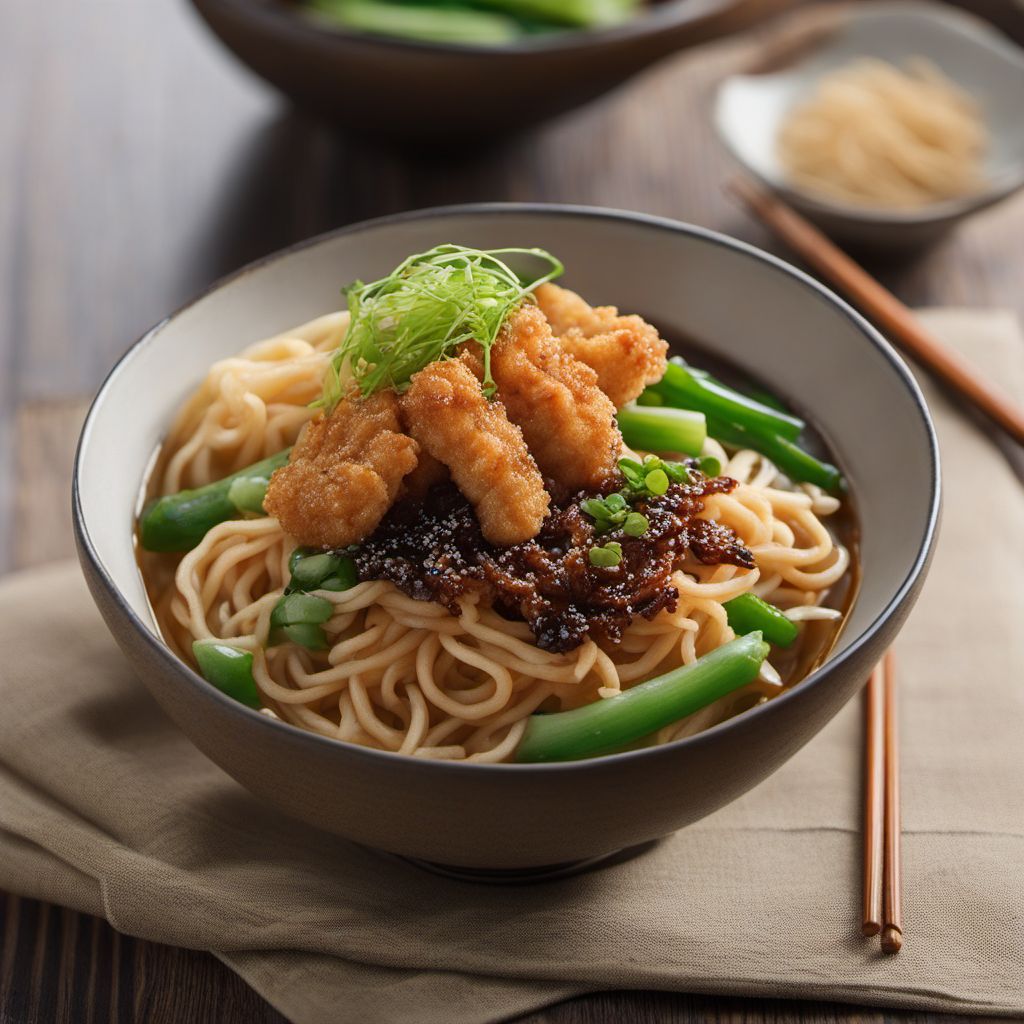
column 567, row 420
column 344, row 473
column 446, row 412
column 626, row 352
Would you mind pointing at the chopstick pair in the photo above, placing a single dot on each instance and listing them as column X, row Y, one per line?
column 887, row 312
column 883, row 910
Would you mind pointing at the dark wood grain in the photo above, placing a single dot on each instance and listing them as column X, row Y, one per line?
column 137, row 164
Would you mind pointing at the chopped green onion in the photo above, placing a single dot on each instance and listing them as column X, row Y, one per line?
column 662, row 429
column 607, row 556
column 748, row 612
column 608, row 725
column 229, row 669
column 636, row 524
column 684, row 388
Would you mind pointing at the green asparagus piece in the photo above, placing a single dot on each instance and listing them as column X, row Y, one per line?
column 748, row 612
column 178, row 522
column 609, row 725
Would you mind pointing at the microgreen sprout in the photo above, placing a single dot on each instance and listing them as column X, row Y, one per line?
column 606, row 556
column 709, row 466
column 653, row 476
column 424, row 309
column 636, row 524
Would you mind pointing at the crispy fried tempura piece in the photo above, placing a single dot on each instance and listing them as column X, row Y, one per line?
column 626, row 352
column 427, row 473
column 446, row 412
column 567, row 420
column 344, row 473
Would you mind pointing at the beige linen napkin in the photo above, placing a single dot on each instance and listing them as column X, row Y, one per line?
column 104, row 806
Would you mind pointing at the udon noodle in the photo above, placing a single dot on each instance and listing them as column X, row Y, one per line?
column 876, row 135
column 405, row 675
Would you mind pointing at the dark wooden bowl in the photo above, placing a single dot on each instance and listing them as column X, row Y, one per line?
column 424, row 91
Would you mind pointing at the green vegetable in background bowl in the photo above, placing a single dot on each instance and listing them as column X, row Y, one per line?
column 469, row 22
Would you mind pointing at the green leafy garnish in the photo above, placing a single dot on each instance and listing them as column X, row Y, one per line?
column 709, row 466
column 653, row 476
column 636, row 524
column 606, row 555
column 424, row 309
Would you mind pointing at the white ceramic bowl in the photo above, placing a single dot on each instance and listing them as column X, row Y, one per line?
column 770, row 319
column 750, row 107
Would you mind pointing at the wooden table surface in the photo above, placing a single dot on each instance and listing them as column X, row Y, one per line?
column 137, row 164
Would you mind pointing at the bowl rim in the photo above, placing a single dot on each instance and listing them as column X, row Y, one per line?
column 277, row 16
column 954, row 21
column 159, row 648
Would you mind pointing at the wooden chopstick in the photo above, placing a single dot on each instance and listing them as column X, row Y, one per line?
column 874, row 801
column 887, row 312
column 892, row 882
column 882, row 910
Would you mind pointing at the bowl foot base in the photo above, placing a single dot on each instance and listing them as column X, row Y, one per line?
column 527, row 876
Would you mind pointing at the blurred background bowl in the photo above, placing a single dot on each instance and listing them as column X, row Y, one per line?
column 418, row 91
column 750, row 107
column 773, row 322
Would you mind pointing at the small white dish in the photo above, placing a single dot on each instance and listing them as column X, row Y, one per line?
column 750, row 107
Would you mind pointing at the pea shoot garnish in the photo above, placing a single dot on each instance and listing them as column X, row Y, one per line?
column 653, row 476
column 607, row 555
column 636, row 524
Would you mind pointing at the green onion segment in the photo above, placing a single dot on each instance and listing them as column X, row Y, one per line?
column 733, row 419
column 609, row 725
column 682, row 388
column 661, row 429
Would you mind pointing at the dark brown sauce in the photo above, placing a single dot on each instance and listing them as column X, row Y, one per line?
column 434, row 551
